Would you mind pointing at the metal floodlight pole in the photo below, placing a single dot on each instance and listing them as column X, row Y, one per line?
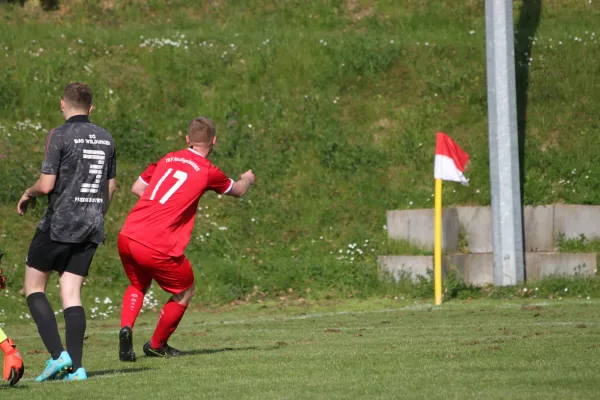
column 507, row 225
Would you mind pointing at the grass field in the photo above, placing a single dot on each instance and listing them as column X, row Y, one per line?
column 345, row 349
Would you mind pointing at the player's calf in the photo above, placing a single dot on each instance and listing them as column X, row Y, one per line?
column 170, row 316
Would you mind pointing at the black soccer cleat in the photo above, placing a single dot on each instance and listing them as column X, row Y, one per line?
column 126, row 352
column 163, row 351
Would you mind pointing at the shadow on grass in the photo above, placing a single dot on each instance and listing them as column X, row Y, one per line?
column 117, row 371
column 197, row 352
column 6, row 386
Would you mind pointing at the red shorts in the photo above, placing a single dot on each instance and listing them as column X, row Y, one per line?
column 143, row 264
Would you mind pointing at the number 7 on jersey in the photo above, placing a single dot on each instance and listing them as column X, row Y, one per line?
column 179, row 175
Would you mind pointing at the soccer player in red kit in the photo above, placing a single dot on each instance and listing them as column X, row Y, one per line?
column 158, row 229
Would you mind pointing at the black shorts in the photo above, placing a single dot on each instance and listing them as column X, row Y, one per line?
column 48, row 255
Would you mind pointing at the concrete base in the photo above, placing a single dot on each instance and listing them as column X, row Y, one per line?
column 410, row 266
column 478, row 269
column 540, row 265
column 539, row 233
column 476, row 225
column 417, row 227
column 573, row 220
column 542, row 225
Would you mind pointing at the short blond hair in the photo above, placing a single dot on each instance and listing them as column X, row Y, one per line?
column 78, row 95
column 202, row 130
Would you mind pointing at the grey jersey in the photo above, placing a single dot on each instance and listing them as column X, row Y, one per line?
column 83, row 158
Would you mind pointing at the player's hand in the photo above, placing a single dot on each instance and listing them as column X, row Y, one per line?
column 24, row 203
column 13, row 364
column 249, row 176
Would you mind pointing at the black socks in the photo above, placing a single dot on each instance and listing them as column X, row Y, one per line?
column 75, row 324
column 44, row 318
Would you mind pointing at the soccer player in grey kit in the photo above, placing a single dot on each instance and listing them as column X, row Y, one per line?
column 79, row 176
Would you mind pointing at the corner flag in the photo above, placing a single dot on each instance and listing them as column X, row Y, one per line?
column 450, row 160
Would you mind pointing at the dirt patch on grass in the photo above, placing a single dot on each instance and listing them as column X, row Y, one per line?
column 36, row 351
column 110, row 326
column 358, row 11
column 383, row 123
column 550, row 141
column 530, row 308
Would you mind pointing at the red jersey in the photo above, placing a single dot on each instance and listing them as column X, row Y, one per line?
column 163, row 218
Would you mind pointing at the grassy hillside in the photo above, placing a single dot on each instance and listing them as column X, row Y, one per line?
column 333, row 104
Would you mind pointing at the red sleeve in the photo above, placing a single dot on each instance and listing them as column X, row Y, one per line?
column 53, row 153
column 146, row 176
column 218, row 181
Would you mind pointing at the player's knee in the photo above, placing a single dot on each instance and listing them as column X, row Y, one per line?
column 35, row 281
column 27, row 289
column 70, row 289
column 30, row 288
column 189, row 293
column 192, row 291
column 186, row 296
column 70, row 297
column 69, row 300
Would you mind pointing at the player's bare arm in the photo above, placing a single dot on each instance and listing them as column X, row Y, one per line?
column 43, row 186
column 112, row 188
column 240, row 188
column 138, row 187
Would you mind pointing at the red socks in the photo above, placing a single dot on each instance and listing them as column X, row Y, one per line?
column 170, row 316
column 133, row 300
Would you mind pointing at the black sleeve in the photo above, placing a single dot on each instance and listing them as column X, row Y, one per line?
column 112, row 168
column 53, row 152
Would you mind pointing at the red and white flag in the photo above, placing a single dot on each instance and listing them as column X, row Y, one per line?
column 450, row 160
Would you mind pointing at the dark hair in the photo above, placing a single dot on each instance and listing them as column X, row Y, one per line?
column 202, row 130
column 78, row 95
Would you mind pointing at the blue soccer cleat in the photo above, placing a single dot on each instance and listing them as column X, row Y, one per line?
column 79, row 375
column 54, row 367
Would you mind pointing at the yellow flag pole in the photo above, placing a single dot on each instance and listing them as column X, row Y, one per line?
column 437, row 251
